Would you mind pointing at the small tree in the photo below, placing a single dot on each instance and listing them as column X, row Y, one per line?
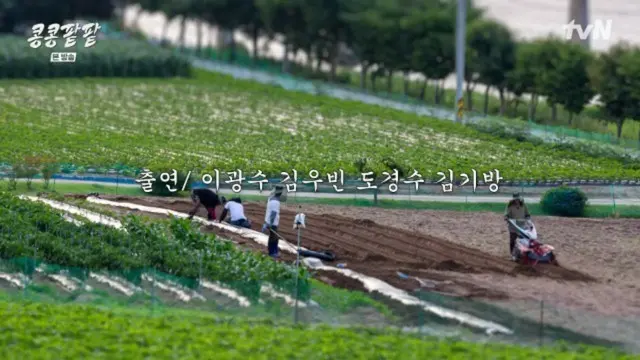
column 12, row 184
column 616, row 77
column 28, row 169
column 571, row 84
column 364, row 166
column 48, row 169
column 495, row 50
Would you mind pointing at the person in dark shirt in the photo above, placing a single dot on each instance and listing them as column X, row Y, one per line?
column 207, row 198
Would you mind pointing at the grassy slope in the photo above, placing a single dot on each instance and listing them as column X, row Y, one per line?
column 35, row 331
column 216, row 122
column 590, row 120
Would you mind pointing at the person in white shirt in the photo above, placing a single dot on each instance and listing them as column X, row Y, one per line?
column 235, row 210
column 271, row 222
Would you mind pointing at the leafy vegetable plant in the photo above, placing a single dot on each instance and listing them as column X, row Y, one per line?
column 174, row 247
column 216, row 122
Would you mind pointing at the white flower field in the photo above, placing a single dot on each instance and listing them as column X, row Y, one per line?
column 215, row 122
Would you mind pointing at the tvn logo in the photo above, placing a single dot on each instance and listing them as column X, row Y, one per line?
column 63, row 57
column 601, row 30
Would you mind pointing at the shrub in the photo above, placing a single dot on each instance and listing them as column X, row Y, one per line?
column 564, row 201
column 159, row 187
column 108, row 58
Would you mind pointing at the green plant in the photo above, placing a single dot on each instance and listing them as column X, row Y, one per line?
column 81, row 331
column 27, row 169
column 108, row 58
column 172, row 247
column 177, row 124
column 12, row 183
column 48, row 169
column 564, row 201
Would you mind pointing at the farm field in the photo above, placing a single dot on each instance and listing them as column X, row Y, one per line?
column 92, row 271
column 466, row 262
column 151, row 25
column 54, row 256
column 82, row 331
column 215, row 122
column 146, row 259
column 98, row 257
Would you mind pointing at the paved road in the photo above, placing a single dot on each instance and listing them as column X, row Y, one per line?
column 434, row 198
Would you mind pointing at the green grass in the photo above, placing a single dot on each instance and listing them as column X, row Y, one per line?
column 590, row 120
column 214, row 121
column 344, row 300
column 72, row 188
column 593, row 211
column 35, row 330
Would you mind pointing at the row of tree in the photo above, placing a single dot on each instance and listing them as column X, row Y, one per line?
column 417, row 36
column 15, row 14
column 391, row 37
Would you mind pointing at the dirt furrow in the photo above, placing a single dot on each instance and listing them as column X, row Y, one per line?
column 389, row 245
column 419, row 242
column 346, row 244
column 360, row 242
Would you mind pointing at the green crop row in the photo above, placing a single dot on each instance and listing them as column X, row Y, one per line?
column 107, row 58
column 37, row 330
column 175, row 247
column 217, row 122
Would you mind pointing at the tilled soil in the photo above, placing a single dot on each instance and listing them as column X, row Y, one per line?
column 439, row 250
column 380, row 251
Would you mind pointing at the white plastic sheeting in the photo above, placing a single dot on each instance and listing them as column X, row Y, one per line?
column 90, row 215
column 256, row 236
column 370, row 283
column 181, row 294
column 120, row 286
column 243, row 301
column 271, row 291
column 13, row 279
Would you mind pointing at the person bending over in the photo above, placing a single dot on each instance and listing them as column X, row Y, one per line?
column 205, row 197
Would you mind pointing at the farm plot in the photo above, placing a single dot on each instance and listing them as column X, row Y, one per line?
column 74, row 332
column 219, row 123
column 467, row 262
column 168, row 262
column 382, row 251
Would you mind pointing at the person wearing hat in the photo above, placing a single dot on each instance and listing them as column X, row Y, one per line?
column 516, row 210
column 235, row 210
column 272, row 220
